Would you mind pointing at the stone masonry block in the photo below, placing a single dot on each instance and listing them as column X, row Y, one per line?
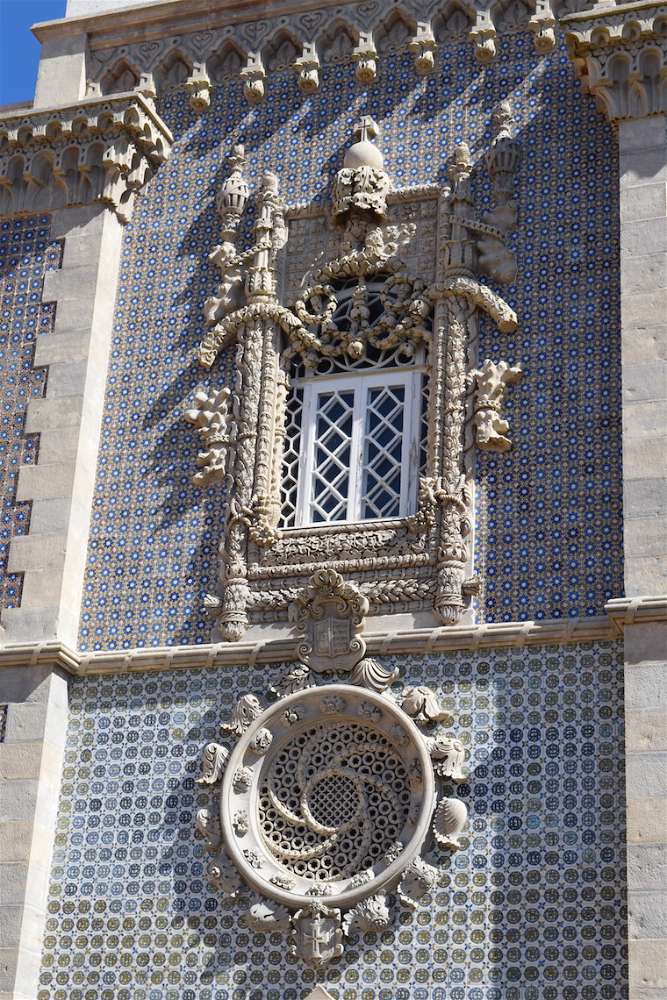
column 645, row 381
column 645, row 575
column 41, row 589
column 645, row 731
column 644, row 456
column 67, row 379
column 645, row 648
column 647, row 866
column 19, row 799
column 15, row 840
column 45, row 481
column 645, row 167
column 647, row 913
column 59, row 444
column 644, row 237
column 644, row 273
column 646, row 774
column 50, row 516
column 646, row 820
column 642, row 420
column 646, row 343
column 67, row 346
column 641, row 134
column 13, row 880
column 20, row 761
column 638, row 308
column 26, row 720
column 28, row 553
column 46, row 414
column 643, row 201
column 648, row 963
column 646, row 497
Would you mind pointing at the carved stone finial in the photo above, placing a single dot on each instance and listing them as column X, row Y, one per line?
column 490, row 383
column 483, row 34
column 308, row 68
column 423, row 46
column 362, row 184
column 365, row 56
column 543, row 24
column 233, row 195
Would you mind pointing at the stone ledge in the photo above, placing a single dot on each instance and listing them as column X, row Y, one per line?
column 284, row 649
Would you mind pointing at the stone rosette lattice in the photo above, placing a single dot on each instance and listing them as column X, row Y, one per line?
column 328, row 800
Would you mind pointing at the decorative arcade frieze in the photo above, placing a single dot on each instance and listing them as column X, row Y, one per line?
column 620, row 56
column 99, row 150
column 358, row 306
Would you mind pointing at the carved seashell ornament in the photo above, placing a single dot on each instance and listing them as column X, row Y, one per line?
column 448, row 823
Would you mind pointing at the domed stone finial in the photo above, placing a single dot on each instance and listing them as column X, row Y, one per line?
column 362, row 183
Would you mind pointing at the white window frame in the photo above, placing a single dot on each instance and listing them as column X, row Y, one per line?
column 361, row 384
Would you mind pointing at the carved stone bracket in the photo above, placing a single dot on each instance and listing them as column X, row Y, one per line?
column 94, row 151
column 620, row 57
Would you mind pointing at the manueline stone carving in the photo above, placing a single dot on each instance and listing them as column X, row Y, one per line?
column 99, row 150
column 327, row 825
column 353, row 304
column 217, row 430
column 198, row 88
column 365, row 56
column 490, row 383
column 253, row 75
column 423, row 47
column 214, row 761
column 308, row 68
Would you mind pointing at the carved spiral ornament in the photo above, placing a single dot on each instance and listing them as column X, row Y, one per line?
column 337, row 806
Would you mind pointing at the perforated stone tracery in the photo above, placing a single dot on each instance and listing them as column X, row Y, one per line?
column 333, row 800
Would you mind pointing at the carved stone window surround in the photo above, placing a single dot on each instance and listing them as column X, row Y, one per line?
column 422, row 562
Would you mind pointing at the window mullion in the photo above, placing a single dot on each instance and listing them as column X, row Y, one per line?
column 305, row 480
column 409, row 446
column 356, row 451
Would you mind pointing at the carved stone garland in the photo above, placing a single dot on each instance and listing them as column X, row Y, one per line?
column 328, row 799
column 263, row 568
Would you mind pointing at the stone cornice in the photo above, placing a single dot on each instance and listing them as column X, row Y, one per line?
column 620, row 55
column 97, row 150
column 407, row 642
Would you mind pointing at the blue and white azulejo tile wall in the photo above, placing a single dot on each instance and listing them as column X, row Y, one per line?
column 549, row 531
column 533, row 908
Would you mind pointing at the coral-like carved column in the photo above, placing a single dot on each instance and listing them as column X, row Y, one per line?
column 468, row 247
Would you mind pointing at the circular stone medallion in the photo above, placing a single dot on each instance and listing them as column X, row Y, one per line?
column 337, row 806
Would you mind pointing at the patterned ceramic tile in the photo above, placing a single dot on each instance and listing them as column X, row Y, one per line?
column 26, row 253
column 549, row 543
column 531, row 909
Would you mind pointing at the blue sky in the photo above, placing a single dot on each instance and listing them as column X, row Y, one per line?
column 19, row 52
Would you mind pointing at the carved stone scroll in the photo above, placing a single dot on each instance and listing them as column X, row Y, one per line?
column 490, row 383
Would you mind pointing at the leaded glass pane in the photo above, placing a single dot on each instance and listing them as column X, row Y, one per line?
column 331, row 466
column 383, row 447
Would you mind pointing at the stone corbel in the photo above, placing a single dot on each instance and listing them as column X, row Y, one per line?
column 485, row 38
column 308, row 68
column 365, row 56
column 99, row 150
column 621, row 58
column 423, row 47
column 253, row 75
column 198, row 88
column 543, row 24
column 490, row 384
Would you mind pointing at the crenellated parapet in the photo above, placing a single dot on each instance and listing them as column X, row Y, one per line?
column 620, row 55
column 98, row 150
